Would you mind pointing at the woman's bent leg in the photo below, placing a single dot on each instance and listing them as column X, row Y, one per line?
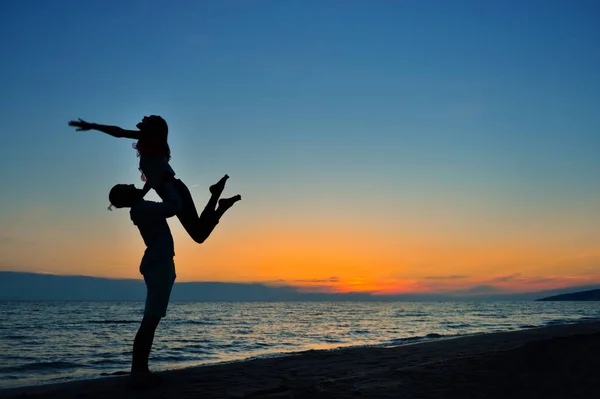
column 170, row 195
column 198, row 227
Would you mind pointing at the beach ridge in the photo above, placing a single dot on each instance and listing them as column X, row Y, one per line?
column 524, row 363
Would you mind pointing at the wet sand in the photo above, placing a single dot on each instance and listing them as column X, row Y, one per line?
column 552, row 362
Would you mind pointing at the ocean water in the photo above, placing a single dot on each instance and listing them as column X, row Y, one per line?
column 53, row 341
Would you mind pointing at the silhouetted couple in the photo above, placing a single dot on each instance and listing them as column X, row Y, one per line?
column 157, row 265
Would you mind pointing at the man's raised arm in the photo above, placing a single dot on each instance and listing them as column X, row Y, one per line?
column 158, row 210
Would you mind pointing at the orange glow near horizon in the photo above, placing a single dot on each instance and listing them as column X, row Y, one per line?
column 341, row 257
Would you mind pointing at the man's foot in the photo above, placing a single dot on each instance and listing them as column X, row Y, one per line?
column 144, row 380
column 218, row 187
column 226, row 203
column 156, row 377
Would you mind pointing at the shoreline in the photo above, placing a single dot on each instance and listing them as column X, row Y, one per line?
column 434, row 337
column 346, row 372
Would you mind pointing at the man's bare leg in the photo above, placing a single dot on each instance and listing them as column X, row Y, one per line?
column 140, row 373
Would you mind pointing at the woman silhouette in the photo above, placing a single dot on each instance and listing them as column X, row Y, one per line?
column 154, row 153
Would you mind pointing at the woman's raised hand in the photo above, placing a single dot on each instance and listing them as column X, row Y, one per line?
column 80, row 125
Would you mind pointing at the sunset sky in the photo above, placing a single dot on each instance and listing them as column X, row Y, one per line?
column 379, row 146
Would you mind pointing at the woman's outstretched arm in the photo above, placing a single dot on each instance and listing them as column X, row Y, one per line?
column 114, row 131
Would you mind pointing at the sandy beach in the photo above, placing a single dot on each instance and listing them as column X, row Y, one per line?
column 560, row 361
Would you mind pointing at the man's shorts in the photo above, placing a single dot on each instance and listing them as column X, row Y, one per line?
column 159, row 281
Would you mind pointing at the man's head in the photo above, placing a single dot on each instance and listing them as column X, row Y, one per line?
column 124, row 195
column 154, row 125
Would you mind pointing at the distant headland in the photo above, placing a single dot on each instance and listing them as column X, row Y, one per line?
column 590, row 295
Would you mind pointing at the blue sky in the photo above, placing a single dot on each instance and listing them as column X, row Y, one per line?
column 394, row 110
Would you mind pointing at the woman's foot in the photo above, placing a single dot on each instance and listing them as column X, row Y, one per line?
column 218, row 187
column 226, row 203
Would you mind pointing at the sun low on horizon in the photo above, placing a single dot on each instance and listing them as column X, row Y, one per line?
column 383, row 148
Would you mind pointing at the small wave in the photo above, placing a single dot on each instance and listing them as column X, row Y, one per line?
column 102, row 362
column 196, row 346
column 291, row 344
column 192, row 341
column 178, row 358
column 494, row 315
column 588, row 318
column 170, row 358
column 225, row 346
column 434, row 335
column 242, row 332
column 10, row 377
column 114, row 321
column 408, row 340
column 464, row 325
column 409, row 314
column 40, row 366
column 557, row 322
column 417, row 338
column 201, row 322
column 115, row 373
column 15, row 337
column 30, row 342
column 197, row 349
column 20, row 358
column 261, row 345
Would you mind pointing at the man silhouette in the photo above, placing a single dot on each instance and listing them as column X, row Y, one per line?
column 157, row 265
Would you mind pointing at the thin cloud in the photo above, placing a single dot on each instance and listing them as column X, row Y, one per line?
column 451, row 277
column 310, row 281
column 482, row 289
column 316, row 289
column 504, row 279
